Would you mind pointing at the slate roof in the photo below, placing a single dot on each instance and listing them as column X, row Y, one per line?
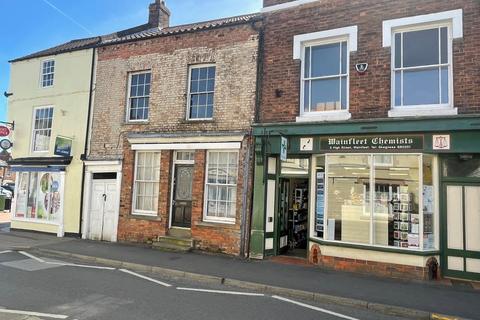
column 138, row 33
column 156, row 32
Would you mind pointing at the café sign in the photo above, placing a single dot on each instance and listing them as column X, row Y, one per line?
column 374, row 143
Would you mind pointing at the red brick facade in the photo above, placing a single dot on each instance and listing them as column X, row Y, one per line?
column 369, row 92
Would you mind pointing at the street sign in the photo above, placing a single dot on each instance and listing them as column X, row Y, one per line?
column 283, row 149
column 4, row 131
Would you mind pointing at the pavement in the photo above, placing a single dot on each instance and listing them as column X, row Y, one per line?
column 410, row 299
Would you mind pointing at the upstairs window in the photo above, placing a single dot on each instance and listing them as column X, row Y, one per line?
column 422, row 67
column 325, row 77
column 201, row 92
column 139, row 96
column 42, row 129
column 48, row 73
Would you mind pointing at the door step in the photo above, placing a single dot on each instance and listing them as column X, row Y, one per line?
column 182, row 233
column 168, row 243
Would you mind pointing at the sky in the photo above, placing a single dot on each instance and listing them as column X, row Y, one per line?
column 27, row 26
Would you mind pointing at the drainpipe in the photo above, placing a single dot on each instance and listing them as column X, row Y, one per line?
column 247, row 225
column 87, row 136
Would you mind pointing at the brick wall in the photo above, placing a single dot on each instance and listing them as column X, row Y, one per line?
column 234, row 52
column 369, row 92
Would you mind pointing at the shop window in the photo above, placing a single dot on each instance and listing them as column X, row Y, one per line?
column 325, row 77
column 42, row 129
column 139, row 96
column 201, row 92
column 48, row 73
column 463, row 166
column 38, row 196
column 362, row 201
column 221, row 186
column 146, row 184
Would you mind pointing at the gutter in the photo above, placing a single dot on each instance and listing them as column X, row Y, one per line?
column 87, row 138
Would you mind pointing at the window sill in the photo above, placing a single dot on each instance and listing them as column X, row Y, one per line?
column 323, row 116
column 215, row 223
column 206, row 120
column 136, row 122
column 144, row 216
column 38, row 221
column 422, row 111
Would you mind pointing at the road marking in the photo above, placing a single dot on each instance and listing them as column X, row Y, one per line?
column 145, row 278
column 79, row 265
column 339, row 315
column 6, row 251
column 34, row 314
column 31, row 256
column 224, row 292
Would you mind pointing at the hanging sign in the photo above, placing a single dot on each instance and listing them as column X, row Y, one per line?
column 4, row 131
column 283, row 149
column 63, row 146
column 378, row 143
column 5, row 144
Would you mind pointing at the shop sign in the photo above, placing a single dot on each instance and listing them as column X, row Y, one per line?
column 63, row 146
column 378, row 143
column 4, row 131
column 283, row 149
column 441, row 142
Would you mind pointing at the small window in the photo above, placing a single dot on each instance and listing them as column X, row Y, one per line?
column 42, row 129
column 201, row 92
column 48, row 72
column 421, row 67
column 221, row 186
column 139, row 96
column 325, row 77
column 146, row 184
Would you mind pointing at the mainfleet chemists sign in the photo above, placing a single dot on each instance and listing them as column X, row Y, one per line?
column 379, row 143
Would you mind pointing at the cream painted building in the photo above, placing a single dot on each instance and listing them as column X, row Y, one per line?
column 50, row 106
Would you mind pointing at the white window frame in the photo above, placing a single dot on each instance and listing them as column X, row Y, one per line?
column 453, row 20
column 348, row 34
column 129, row 89
column 223, row 220
column 42, row 74
column 189, row 94
column 134, row 189
column 32, row 139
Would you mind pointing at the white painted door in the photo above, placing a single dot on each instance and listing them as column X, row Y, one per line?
column 103, row 211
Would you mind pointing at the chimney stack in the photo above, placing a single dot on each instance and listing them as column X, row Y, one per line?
column 159, row 15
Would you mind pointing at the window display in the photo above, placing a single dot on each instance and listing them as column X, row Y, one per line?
column 376, row 199
column 38, row 196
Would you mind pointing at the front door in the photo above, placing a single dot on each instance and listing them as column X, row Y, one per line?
column 182, row 196
column 103, row 213
column 461, row 258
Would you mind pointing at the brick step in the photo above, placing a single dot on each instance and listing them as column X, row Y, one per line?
column 173, row 244
column 180, row 233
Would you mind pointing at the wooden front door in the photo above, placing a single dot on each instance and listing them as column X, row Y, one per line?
column 182, row 196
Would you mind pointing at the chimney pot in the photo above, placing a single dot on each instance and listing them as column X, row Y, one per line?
column 159, row 15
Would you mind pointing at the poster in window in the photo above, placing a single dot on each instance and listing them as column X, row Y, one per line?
column 320, row 205
column 22, row 195
column 32, row 197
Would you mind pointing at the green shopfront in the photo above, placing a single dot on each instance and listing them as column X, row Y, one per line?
column 395, row 197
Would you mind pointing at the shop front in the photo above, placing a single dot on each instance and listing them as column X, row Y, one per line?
column 399, row 198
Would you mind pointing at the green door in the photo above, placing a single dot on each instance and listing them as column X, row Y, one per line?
column 461, row 230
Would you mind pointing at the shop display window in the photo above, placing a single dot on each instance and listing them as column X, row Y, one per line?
column 376, row 199
column 38, row 196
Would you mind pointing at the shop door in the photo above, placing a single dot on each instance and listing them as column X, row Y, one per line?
column 461, row 240
column 182, row 196
column 103, row 214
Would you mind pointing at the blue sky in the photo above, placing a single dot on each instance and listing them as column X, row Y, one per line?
column 27, row 26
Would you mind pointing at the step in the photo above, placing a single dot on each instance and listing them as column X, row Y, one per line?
column 169, row 243
column 180, row 233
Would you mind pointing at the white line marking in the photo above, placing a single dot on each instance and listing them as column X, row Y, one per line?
column 145, row 278
column 6, row 251
column 31, row 256
column 79, row 265
column 224, row 292
column 34, row 314
column 339, row 315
